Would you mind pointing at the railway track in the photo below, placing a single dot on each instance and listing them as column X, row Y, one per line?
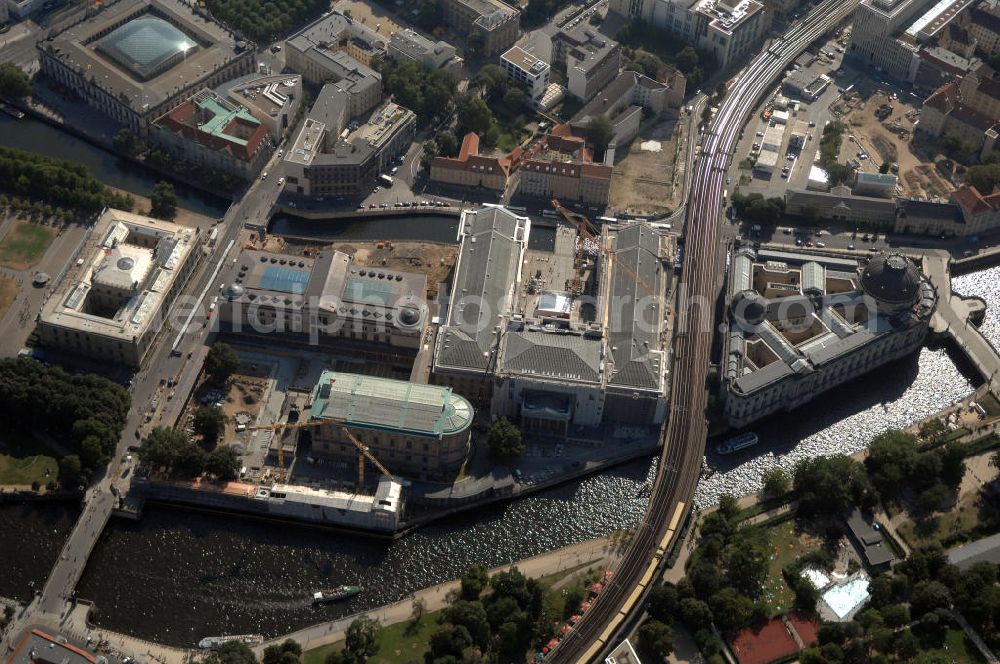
column 685, row 433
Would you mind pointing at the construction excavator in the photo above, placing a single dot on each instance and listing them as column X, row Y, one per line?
column 363, row 450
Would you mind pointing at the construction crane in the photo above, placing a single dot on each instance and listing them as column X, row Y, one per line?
column 363, row 451
column 280, row 427
column 578, row 221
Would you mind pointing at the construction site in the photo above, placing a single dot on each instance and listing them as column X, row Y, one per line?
column 351, row 425
column 649, row 178
column 882, row 124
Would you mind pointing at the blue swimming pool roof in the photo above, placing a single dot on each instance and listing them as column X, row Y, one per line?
column 284, row 279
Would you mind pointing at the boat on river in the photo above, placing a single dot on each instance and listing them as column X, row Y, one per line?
column 335, row 594
column 213, row 642
column 11, row 111
column 737, row 443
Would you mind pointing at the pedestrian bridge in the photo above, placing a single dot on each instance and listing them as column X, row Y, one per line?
column 952, row 318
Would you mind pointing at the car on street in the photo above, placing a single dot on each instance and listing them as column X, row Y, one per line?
column 263, row 176
column 798, row 242
column 821, row 244
column 873, row 249
column 281, row 181
column 851, row 247
column 729, row 180
column 809, row 243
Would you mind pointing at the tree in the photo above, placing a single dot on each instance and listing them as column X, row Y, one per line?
column 288, row 652
column 983, row 177
column 474, row 582
column 776, row 482
column 209, row 422
column 687, row 59
column 427, row 155
column 221, row 362
column 472, row 616
column 884, row 168
column 126, row 141
column 937, row 497
column 730, row 609
column 895, row 615
column 163, row 201
column 13, row 81
column 447, row 143
column 515, row 99
column 223, row 462
column 599, row 135
column 232, row 652
column 695, row 613
column 70, row 471
column 664, row 603
column 746, row 566
column 504, row 440
column 596, row 18
column 189, row 461
column 449, row 640
column 162, row 446
column 361, row 638
column 474, row 115
column 929, row 595
column 891, row 460
column 829, row 485
column 574, row 598
column 492, row 80
column 656, row 640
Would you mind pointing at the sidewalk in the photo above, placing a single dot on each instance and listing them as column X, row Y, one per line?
column 595, row 552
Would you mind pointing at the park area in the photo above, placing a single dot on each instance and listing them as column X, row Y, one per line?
column 20, row 462
column 787, row 542
column 25, row 244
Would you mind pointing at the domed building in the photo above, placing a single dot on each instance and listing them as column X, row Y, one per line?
column 892, row 279
column 802, row 323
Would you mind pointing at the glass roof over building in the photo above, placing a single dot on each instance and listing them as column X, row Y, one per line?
column 146, row 46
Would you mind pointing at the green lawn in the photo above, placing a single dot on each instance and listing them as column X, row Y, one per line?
column 396, row 644
column 24, row 244
column 959, row 648
column 965, row 517
column 786, row 544
column 21, row 462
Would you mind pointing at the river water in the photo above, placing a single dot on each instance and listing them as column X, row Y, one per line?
column 31, row 536
column 177, row 576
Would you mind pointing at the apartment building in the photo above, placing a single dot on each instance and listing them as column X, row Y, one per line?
column 471, row 169
column 317, row 51
column 493, row 25
column 729, row 29
column 409, row 45
column 592, row 60
column 347, row 141
column 561, row 166
column 525, row 68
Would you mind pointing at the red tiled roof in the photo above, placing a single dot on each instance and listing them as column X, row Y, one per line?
column 760, row 645
column 470, row 145
column 178, row 120
column 51, row 639
column 970, row 200
column 945, row 98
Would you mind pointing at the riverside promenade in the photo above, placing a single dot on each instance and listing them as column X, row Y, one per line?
column 596, row 553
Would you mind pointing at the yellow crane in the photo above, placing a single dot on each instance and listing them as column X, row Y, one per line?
column 363, row 451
